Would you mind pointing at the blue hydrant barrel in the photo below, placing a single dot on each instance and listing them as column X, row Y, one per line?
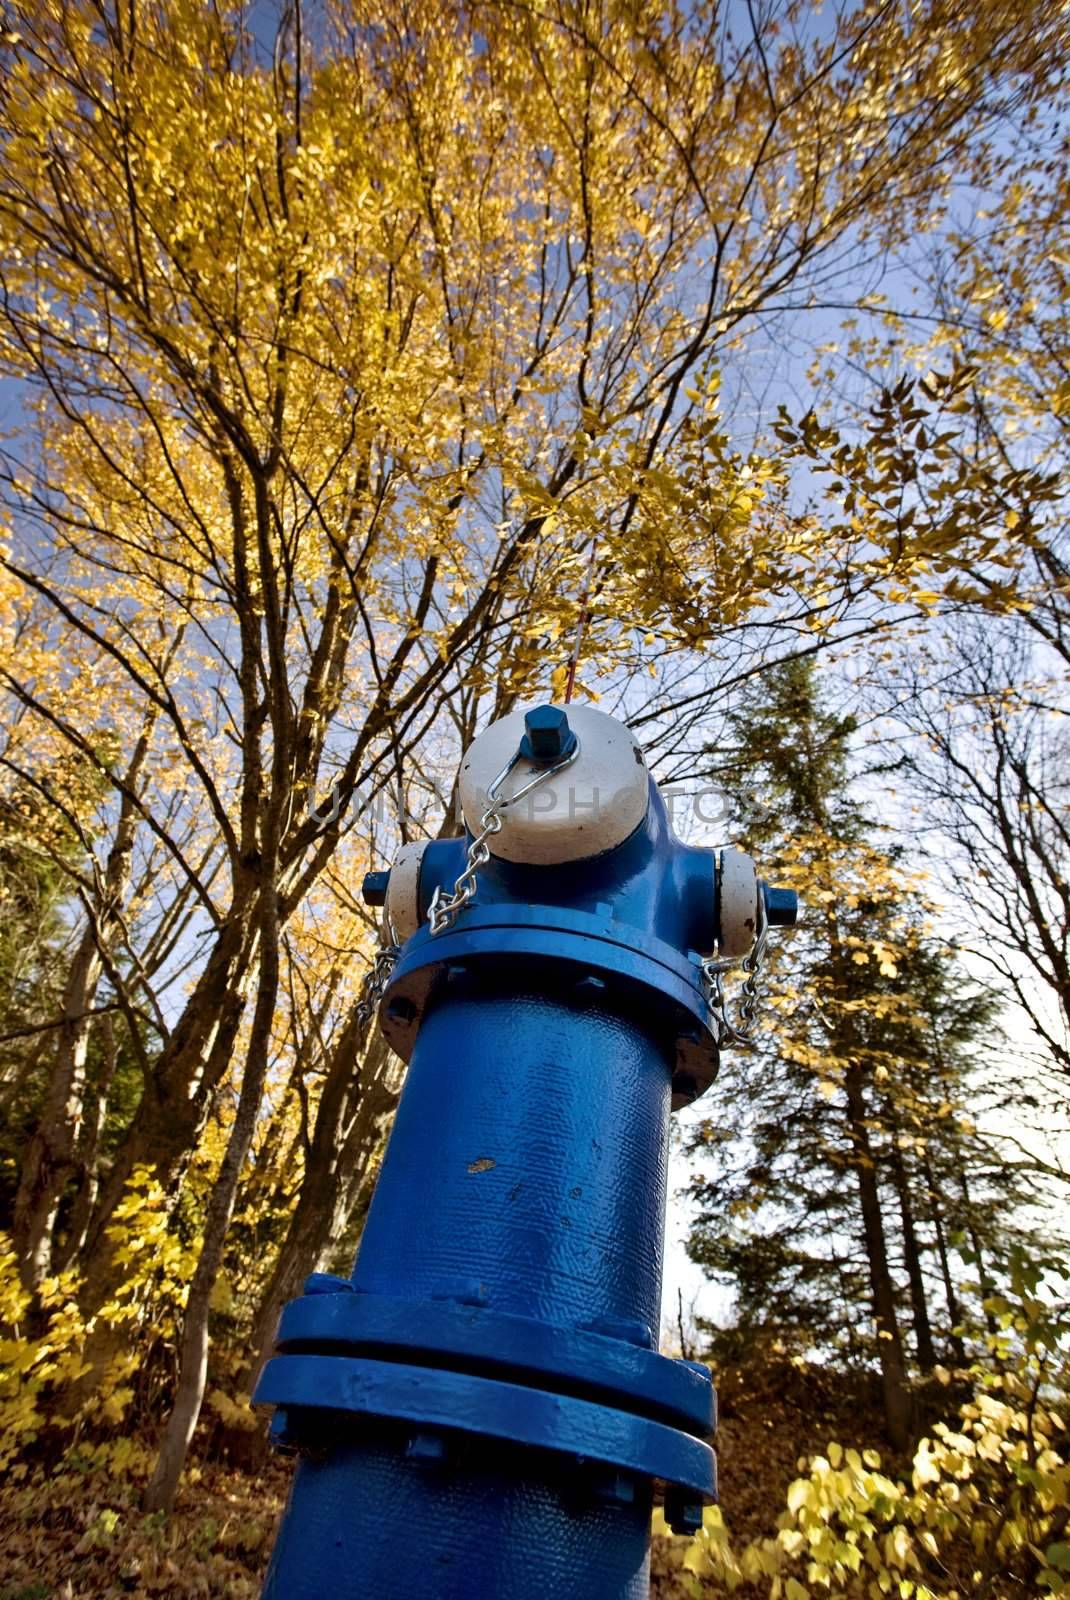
column 531, row 1138
column 507, row 1187
column 481, row 1410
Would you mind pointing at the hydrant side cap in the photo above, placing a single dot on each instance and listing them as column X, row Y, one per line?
column 737, row 902
column 403, row 890
column 588, row 808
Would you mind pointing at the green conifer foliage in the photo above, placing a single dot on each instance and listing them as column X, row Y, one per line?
column 844, row 1190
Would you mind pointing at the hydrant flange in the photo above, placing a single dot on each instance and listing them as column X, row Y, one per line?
column 356, row 1387
column 578, row 1362
column 645, row 971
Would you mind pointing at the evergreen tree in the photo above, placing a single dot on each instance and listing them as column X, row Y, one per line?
column 839, row 1169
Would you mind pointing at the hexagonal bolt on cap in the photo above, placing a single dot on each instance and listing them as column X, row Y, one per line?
column 549, row 737
column 613, row 1488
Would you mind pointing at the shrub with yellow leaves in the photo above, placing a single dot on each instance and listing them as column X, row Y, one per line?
column 982, row 1514
column 33, row 1366
column 42, row 1340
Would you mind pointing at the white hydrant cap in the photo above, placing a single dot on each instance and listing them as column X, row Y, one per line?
column 587, row 808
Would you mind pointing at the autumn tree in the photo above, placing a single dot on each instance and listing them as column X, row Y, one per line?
column 972, row 424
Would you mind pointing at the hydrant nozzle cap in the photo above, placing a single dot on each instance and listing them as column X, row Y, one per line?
column 588, row 806
column 548, row 737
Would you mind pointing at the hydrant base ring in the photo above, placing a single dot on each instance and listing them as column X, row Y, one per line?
column 432, row 1398
column 607, row 1370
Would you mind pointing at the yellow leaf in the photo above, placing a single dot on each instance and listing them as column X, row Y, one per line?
column 800, row 1493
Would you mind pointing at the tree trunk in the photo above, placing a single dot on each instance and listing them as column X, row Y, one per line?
column 898, row 1410
column 984, row 1281
column 367, row 1141
column 923, row 1333
column 343, row 1141
column 958, row 1349
column 193, row 1365
column 49, row 1162
column 87, row 1152
column 164, row 1132
column 897, row 1405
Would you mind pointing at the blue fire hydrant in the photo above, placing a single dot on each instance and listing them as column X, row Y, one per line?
column 481, row 1410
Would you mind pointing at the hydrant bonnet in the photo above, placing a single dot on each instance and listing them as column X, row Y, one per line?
column 582, row 811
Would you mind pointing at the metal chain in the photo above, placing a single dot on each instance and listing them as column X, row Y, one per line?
column 378, row 975
column 445, row 909
column 713, row 971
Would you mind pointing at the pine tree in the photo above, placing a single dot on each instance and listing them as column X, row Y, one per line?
column 839, row 1167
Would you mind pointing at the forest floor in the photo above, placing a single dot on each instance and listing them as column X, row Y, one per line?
column 78, row 1536
column 75, row 1537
